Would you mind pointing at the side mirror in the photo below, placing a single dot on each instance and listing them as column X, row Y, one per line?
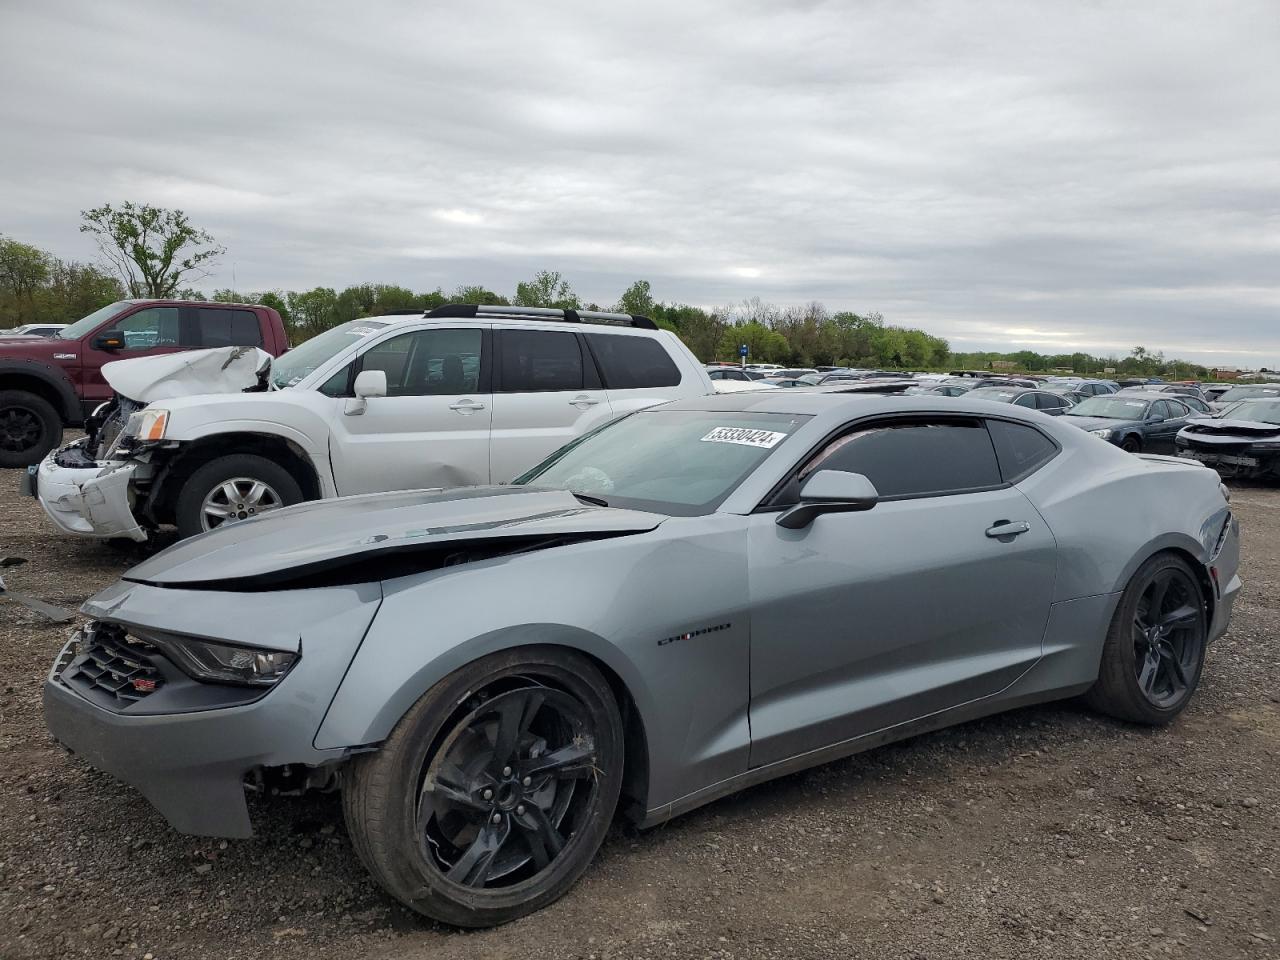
column 830, row 491
column 109, row 340
column 369, row 383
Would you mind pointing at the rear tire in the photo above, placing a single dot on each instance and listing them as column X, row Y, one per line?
column 457, row 831
column 236, row 471
column 1154, row 652
column 29, row 428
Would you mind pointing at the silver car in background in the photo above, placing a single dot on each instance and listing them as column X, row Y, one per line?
column 690, row 600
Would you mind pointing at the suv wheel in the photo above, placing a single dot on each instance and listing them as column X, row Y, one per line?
column 493, row 793
column 232, row 488
column 29, row 428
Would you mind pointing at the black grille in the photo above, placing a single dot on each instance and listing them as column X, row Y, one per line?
column 114, row 667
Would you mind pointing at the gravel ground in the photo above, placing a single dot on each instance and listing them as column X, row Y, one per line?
column 1047, row 832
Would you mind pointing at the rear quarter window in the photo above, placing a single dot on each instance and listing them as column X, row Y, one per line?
column 228, row 328
column 1020, row 449
column 631, row 362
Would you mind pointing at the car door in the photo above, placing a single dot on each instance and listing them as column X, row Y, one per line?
column 547, row 391
column 1052, row 404
column 861, row 621
column 1169, row 417
column 147, row 331
column 432, row 427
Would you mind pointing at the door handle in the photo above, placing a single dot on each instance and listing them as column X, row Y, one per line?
column 1006, row 530
column 584, row 401
column 466, row 406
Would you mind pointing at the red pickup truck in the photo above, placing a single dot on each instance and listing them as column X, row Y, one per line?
column 47, row 383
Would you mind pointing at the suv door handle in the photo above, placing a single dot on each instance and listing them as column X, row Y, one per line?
column 1006, row 530
column 466, row 406
column 584, row 401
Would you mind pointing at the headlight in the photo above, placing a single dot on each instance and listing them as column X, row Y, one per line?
column 147, row 424
column 1104, row 433
column 226, row 663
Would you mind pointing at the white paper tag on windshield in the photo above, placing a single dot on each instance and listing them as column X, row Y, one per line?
column 745, row 436
column 361, row 331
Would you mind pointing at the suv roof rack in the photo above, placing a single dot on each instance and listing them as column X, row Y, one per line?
column 472, row 311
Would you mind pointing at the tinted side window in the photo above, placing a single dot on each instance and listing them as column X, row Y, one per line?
column 428, row 362
column 629, row 362
column 228, row 328
column 1048, row 401
column 905, row 459
column 1026, row 400
column 152, row 327
column 1159, row 410
column 536, row 360
column 1021, row 449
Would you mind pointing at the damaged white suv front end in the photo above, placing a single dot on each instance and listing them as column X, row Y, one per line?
column 91, row 487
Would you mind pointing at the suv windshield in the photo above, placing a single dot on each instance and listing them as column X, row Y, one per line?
column 678, row 462
column 304, row 360
column 1111, row 408
column 88, row 324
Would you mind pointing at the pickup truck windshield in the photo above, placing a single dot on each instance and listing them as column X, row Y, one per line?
column 304, row 360
column 90, row 323
column 683, row 463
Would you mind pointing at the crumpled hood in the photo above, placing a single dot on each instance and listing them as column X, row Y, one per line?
column 1096, row 423
column 350, row 531
column 169, row 375
column 1249, row 429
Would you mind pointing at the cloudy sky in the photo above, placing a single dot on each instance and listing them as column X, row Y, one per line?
column 1048, row 175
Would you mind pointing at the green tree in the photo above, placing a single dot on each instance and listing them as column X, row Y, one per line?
column 479, row 295
column 152, row 249
column 547, row 289
column 24, row 269
column 314, row 311
column 637, row 300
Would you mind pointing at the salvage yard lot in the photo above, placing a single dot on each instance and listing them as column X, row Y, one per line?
column 1045, row 832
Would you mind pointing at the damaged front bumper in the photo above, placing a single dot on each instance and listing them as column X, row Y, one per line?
column 191, row 746
column 87, row 498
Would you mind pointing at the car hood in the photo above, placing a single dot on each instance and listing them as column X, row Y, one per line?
column 169, row 375
column 1097, row 423
column 1243, row 429
column 360, row 538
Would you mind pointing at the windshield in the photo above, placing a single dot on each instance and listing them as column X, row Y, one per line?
column 679, row 462
column 304, row 360
column 998, row 394
column 1111, row 408
column 1262, row 411
column 1244, row 393
column 90, row 323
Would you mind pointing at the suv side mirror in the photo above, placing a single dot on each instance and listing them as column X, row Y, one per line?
column 830, row 491
column 109, row 340
column 369, row 383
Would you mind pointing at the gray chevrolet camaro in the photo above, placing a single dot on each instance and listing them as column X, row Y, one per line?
column 693, row 599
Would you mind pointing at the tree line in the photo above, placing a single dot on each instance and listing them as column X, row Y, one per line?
column 152, row 252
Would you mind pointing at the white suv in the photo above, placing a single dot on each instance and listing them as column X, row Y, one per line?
column 458, row 396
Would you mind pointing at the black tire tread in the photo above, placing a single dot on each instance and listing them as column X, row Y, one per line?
column 46, row 412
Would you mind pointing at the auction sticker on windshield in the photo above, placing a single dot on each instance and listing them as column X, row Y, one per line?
column 745, row 436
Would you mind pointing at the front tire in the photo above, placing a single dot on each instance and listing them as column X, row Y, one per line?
column 1131, row 444
column 494, row 792
column 29, row 428
column 1154, row 652
column 235, row 487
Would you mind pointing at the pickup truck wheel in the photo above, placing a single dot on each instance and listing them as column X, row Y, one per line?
column 29, row 428
column 494, row 792
column 232, row 488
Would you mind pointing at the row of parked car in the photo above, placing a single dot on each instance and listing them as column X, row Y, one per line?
column 1234, row 428
column 199, row 414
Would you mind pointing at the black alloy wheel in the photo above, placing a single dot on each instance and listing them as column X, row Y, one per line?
column 508, row 786
column 1168, row 637
column 20, row 429
column 1153, row 654
column 493, row 793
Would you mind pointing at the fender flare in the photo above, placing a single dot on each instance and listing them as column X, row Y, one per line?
column 50, row 375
